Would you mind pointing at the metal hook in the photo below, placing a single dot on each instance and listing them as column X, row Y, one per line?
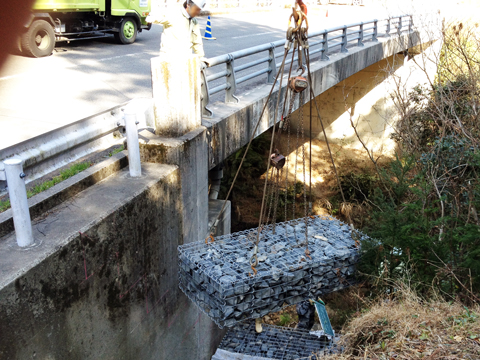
column 211, row 238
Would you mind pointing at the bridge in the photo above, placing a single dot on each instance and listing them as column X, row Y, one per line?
column 96, row 277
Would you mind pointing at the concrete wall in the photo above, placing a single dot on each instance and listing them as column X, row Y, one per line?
column 190, row 153
column 367, row 98
column 113, row 294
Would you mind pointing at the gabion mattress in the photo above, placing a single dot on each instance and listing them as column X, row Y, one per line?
column 218, row 277
column 274, row 342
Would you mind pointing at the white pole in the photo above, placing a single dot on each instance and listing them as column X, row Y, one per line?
column 132, row 142
column 18, row 200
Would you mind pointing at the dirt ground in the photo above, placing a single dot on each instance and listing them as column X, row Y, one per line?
column 246, row 209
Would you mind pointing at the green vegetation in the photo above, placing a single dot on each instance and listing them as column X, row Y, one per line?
column 422, row 209
column 116, row 151
column 285, row 319
column 64, row 175
column 4, row 205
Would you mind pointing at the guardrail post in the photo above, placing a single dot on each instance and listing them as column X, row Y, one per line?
column 399, row 25
column 375, row 31
column 344, row 40
column 18, row 201
column 205, row 92
column 360, row 35
column 410, row 24
column 325, row 47
column 272, row 64
column 231, row 81
column 387, row 32
column 133, row 147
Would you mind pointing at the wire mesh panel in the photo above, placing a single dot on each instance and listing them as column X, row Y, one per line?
column 218, row 277
column 274, row 342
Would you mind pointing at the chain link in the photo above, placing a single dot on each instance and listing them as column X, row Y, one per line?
column 302, row 127
column 270, row 196
column 277, row 190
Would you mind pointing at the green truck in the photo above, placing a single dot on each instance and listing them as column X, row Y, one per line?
column 53, row 21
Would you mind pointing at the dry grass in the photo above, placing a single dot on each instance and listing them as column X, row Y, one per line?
column 286, row 317
column 408, row 327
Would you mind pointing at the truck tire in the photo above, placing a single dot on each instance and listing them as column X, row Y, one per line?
column 127, row 32
column 39, row 40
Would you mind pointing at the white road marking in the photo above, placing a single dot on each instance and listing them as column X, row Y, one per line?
column 72, row 66
column 118, row 57
column 245, row 36
column 12, row 76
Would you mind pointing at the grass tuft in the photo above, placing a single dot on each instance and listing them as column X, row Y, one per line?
column 64, row 175
column 116, row 151
column 4, row 205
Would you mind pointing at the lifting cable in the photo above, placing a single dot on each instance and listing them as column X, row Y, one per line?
column 215, row 223
column 299, row 37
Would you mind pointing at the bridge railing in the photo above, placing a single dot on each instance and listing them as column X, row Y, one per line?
column 215, row 4
column 321, row 42
column 224, row 4
column 57, row 144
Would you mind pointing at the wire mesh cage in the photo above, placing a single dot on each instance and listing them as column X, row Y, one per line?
column 274, row 342
column 219, row 279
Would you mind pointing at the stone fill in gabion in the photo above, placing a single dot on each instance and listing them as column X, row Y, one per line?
column 274, row 342
column 218, row 277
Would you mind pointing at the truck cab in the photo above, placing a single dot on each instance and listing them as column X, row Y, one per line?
column 53, row 21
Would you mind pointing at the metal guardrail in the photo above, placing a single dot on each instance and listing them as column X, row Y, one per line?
column 320, row 42
column 52, row 150
column 216, row 4
column 222, row 4
column 12, row 167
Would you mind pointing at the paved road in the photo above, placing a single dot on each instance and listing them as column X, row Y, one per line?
column 84, row 78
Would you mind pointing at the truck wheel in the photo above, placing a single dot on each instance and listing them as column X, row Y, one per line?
column 39, row 40
column 127, row 32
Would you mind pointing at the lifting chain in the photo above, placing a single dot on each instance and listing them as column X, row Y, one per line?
column 298, row 36
column 277, row 191
column 270, row 197
column 288, row 126
column 305, row 205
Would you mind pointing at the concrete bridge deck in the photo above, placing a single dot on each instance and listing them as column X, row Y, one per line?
column 232, row 124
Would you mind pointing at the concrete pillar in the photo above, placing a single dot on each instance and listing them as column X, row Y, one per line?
column 176, row 94
column 225, row 219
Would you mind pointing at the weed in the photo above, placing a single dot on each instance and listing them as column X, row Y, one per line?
column 64, row 175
